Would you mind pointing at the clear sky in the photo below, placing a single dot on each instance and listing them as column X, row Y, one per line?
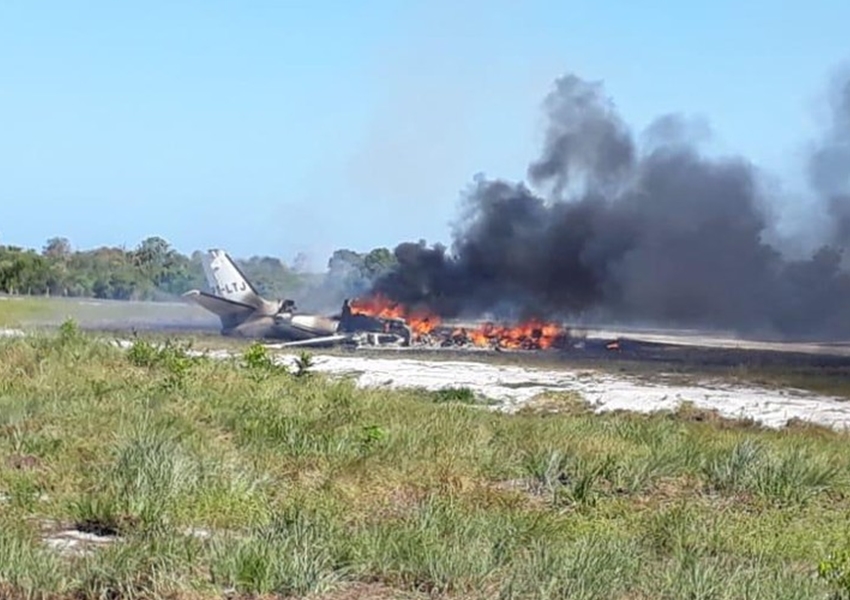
column 278, row 127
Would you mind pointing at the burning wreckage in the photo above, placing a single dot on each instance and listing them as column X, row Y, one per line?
column 373, row 321
column 428, row 329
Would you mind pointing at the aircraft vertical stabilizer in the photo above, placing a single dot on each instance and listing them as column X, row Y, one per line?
column 227, row 281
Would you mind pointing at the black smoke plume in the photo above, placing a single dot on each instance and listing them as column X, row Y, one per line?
column 650, row 231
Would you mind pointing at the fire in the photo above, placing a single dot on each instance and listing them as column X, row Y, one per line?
column 421, row 322
column 528, row 335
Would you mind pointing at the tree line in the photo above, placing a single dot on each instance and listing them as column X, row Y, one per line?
column 154, row 270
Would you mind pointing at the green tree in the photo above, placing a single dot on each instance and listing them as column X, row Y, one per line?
column 152, row 270
column 152, row 251
column 378, row 262
column 23, row 271
column 345, row 261
column 57, row 248
column 270, row 276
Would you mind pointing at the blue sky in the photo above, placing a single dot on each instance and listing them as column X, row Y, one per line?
column 279, row 127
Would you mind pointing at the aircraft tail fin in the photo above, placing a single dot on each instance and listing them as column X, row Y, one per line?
column 227, row 281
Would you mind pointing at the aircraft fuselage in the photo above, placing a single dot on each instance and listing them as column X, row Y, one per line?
column 244, row 313
column 284, row 327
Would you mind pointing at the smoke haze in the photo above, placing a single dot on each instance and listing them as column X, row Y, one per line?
column 638, row 229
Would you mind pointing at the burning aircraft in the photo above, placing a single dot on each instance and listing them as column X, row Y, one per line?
column 429, row 329
column 374, row 320
column 245, row 313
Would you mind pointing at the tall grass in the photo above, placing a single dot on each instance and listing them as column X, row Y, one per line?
column 26, row 567
column 790, row 475
column 291, row 555
column 242, row 477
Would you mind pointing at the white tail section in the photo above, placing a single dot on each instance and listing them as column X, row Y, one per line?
column 226, row 280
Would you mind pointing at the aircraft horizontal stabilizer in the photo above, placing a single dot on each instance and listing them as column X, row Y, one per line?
column 224, row 308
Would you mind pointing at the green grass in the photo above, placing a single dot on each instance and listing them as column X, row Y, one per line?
column 19, row 310
column 310, row 487
column 44, row 311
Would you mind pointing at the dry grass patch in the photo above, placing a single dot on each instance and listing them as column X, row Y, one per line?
column 548, row 403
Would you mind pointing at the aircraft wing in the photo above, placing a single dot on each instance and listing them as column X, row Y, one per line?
column 316, row 341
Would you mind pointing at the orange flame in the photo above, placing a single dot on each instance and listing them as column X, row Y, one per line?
column 528, row 335
column 421, row 322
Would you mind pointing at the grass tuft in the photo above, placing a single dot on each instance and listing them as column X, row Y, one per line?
column 290, row 556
